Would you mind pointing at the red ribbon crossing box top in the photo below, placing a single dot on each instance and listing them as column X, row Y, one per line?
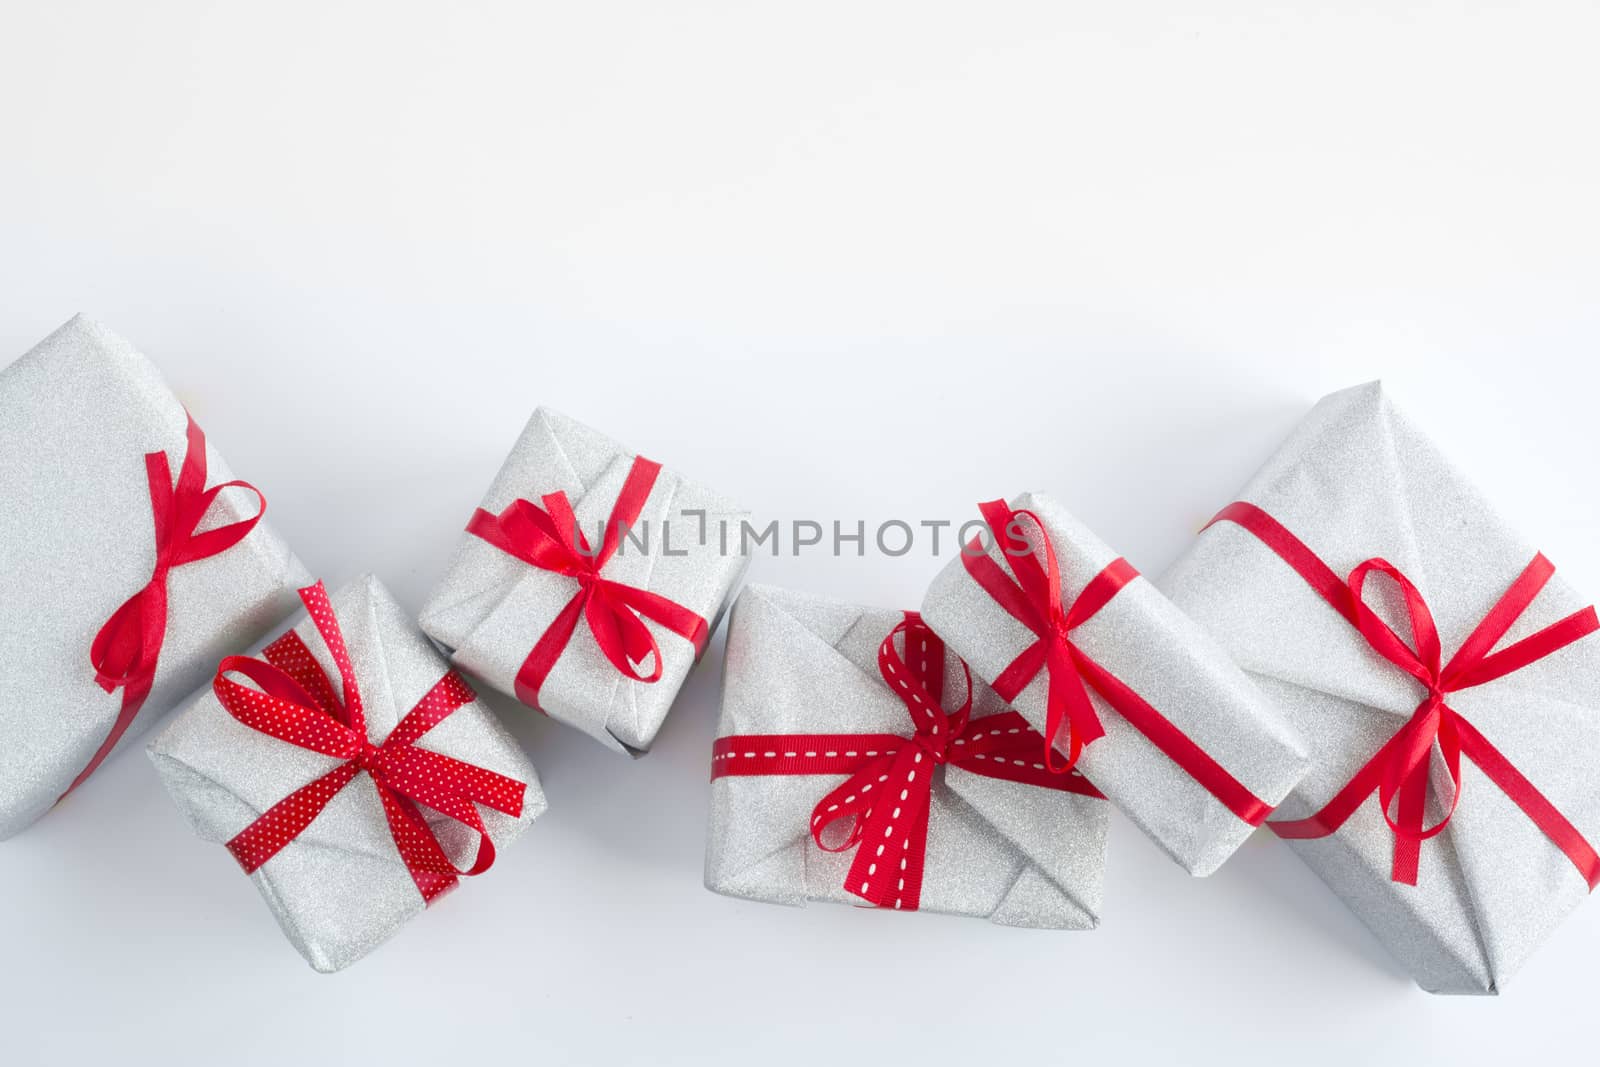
column 886, row 799
column 550, row 539
column 1398, row 771
column 126, row 651
column 295, row 702
column 1031, row 594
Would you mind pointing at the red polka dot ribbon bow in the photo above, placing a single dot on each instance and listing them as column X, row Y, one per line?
column 125, row 651
column 1398, row 771
column 295, row 702
column 551, row 540
column 1032, row 595
column 887, row 796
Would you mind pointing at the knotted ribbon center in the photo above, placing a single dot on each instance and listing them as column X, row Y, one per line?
column 294, row 701
column 1399, row 771
column 1032, row 595
column 885, row 801
column 127, row 648
column 550, row 539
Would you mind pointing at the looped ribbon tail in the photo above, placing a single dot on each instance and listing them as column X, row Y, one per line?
column 294, row 701
column 125, row 651
column 1032, row 595
column 883, row 805
column 1399, row 771
column 550, row 539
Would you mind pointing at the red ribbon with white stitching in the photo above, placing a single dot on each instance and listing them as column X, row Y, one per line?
column 890, row 788
column 1031, row 594
column 125, row 651
column 550, row 539
column 1398, row 771
column 295, row 702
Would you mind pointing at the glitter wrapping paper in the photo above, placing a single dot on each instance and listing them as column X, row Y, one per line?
column 339, row 889
column 1357, row 480
column 78, row 413
column 1015, row 854
column 1141, row 638
column 491, row 608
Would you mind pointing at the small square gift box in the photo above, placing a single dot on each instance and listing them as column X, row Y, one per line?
column 1447, row 683
column 352, row 774
column 857, row 761
column 588, row 582
column 129, row 558
column 1126, row 687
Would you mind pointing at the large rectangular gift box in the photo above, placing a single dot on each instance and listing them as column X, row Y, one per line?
column 125, row 572
column 1132, row 693
column 350, row 772
column 846, row 728
column 588, row 581
column 1444, row 680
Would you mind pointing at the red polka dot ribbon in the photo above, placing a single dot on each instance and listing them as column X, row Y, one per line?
column 125, row 651
column 295, row 702
column 1031, row 594
column 1398, row 771
column 551, row 540
column 887, row 796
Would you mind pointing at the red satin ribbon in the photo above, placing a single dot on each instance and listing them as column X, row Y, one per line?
column 1033, row 598
column 551, row 540
column 125, row 651
column 890, row 788
column 1398, row 771
column 295, row 702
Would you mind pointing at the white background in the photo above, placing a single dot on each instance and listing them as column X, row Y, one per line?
column 840, row 261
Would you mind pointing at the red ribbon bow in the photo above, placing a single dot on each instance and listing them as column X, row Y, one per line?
column 296, row 703
column 551, row 540
column 125, row 651
column 1033, row 598
column 890, row 788
column 1398, row 771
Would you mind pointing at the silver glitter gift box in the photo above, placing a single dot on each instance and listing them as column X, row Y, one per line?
column 492, row 608
column 1357, row 481
column 78, row 414
column 1014, row 853
column 340, row 888
column 1165, row 659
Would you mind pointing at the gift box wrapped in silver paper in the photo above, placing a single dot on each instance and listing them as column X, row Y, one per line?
column 1139, row 637
column 1358, row 481
column 340, row 888
column 491, row 609
column 1014, row 853
column 78, row 414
